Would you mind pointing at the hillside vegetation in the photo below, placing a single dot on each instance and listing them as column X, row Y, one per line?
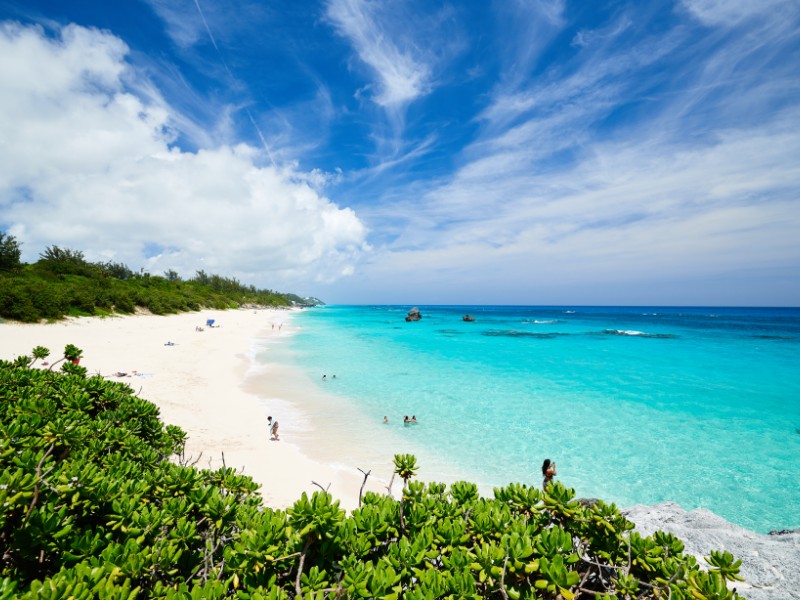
column 62, row 282
column 98, row 501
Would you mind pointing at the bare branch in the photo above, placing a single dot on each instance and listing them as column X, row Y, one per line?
column 324, row 489
column 361, row 491
column 287, row 557
column 39, row 478
column 503, row 578
column 300, row 566
column 53, row 364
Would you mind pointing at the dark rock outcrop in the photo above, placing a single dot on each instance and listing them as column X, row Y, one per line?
column 413, row 315
column 467, row 318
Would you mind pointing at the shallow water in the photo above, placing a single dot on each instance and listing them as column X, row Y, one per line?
column 636, row 405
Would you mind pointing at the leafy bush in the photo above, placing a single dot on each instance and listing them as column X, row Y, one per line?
column 63, row 283
column 96, row 500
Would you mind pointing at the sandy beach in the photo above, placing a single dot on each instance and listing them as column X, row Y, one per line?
column 217, row 386
column 199, row 381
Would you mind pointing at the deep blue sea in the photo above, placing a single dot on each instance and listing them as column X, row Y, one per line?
column 700, row 406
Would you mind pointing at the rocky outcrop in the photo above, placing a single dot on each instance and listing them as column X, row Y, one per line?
column 770, row 563
column 413, row 315
column 467, row 318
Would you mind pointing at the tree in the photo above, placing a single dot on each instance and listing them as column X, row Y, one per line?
column 116, row 270
column 9, row 252
column 201, row 277
column 64, row 261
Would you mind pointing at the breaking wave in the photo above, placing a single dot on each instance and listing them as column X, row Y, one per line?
column 541, row 322
column 523, row 334
column 634, row 333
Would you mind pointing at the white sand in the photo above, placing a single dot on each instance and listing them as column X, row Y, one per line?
column 199, row 384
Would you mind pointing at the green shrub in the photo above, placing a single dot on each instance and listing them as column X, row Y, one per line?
column 16, row 302
column 63, row 283
column 95, row 502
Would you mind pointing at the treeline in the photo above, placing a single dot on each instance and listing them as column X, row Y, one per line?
column 63, row 283
column 97, row 500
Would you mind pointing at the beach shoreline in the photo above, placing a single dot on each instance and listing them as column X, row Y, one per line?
column 219, row 385
column 201, row 379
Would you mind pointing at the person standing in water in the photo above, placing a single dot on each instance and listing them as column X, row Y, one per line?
column 548, row 471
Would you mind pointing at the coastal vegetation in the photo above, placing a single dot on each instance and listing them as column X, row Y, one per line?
column 63, row 283
column 97, row 499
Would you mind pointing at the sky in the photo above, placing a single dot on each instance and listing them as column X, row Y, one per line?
column 540, row 152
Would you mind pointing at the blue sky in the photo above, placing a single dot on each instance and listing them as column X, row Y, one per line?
column 514, row 152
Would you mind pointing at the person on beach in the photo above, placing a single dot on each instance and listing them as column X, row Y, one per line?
column 548, row 471
column 324, row 378
column 385, row 420
column 269, row 426
column 275, row 431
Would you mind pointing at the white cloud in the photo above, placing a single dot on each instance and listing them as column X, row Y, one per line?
column 633, row 220
column 731, row 12
column 184, row 24
column 402, row 76
column 87, row 164
column 528, row 26
column 690, row 199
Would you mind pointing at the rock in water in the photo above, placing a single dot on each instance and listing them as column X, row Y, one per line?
column 413, row 315
column 770, row 563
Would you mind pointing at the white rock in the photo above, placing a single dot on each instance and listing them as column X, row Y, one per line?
column 770, row 563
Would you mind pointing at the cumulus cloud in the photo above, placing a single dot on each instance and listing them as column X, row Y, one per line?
column 88, row 164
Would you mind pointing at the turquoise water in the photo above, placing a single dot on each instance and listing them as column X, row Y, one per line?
column 636, row 405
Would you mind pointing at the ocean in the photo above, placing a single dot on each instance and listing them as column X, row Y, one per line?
column 700, row 406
